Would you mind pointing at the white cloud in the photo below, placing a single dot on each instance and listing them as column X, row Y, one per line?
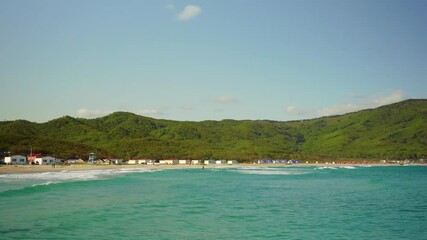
column 225, row 99
column 87, row 113
column 189, row 12
column 370, row 102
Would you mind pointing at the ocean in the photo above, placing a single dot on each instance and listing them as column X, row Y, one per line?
column 217, row 203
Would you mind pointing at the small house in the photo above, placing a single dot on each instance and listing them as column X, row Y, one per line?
column 265, row 161
column 209, row 162
column 16, row 159
column 169, row 161
column 280, row 161
column 116, row 161
column 196, row 161
column 232, row 162
column 145, row 161
column 219, row 162
column 138, row 161
column 45, row 160
column 184, row 161
column 133, row 161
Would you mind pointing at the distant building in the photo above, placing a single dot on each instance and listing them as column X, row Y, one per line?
column 196, row 161
column 169, row 161
column 133, row 161
column 209, row 162
column 116, row 161
column 265, row 161
column 184, row 161
column 92, row 157
column 32, row 157
column 280, row 161
column 232, row 162
column 219, row 162
column 45, row 160
column 16, row 160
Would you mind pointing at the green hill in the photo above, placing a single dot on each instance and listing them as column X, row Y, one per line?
column 395, row 131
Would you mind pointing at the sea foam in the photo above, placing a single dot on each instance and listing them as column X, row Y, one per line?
column 269, row 171
column 19, row 180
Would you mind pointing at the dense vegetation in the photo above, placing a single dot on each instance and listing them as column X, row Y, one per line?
column 395, row 131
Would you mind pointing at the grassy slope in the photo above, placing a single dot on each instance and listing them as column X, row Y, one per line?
column 393, row 131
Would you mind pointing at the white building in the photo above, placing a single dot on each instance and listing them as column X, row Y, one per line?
column 231, row 162
column 139, row 161
column 209, row 162
column 133, row 161
column 220, row 162
column 196, row 161
column 45, row 160
column 116, row 161
column 15, row 159
column 169, row 161
column 184, row 161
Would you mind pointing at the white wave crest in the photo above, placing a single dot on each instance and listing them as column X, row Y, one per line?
column 65, row 175
column 269, row 171
column 335, row 168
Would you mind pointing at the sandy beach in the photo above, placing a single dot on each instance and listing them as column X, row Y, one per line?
column 7, row 169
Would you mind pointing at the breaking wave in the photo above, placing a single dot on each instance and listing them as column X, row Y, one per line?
column 270, row 171
column 334, row 168
column 21, row 180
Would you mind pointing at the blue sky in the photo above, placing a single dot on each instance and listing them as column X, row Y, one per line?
column 209, row 60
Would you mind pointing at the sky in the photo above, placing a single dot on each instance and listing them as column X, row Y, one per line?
column 209, row 60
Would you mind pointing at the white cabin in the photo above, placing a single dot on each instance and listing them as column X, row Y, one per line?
column 209, row 162
column 15, row 159
column 169, row 161
column 220, row 162
column 45, row 160
column 133, row 161
column 138, row 161
column 196, row 161
column 231, row 162
column 184, row 161
column 116, row 161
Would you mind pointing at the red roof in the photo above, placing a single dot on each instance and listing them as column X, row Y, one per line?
column 34, row 155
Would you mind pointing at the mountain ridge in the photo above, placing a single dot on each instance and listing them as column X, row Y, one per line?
column 395, row 131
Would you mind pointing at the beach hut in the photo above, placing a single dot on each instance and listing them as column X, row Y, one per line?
column 265, row 161
column 169, row 161
column 45, row 160
column 133, row 161
column 196, row 161
column 116, row 161
column 219, row 162
column 184, row 161
column 209, row 162
column 15, row 159
column 145, row 161
column 32, row 157
column 232, row 162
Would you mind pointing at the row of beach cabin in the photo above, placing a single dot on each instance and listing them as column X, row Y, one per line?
column 46, row 160
column 280, row 161
column 39, row 160
column 180, row 161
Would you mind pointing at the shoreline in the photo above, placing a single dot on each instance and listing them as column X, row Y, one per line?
column 11, row 169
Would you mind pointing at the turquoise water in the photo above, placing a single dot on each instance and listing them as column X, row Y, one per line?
column 220, row 203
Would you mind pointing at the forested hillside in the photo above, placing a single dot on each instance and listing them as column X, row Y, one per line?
column 395, row 131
